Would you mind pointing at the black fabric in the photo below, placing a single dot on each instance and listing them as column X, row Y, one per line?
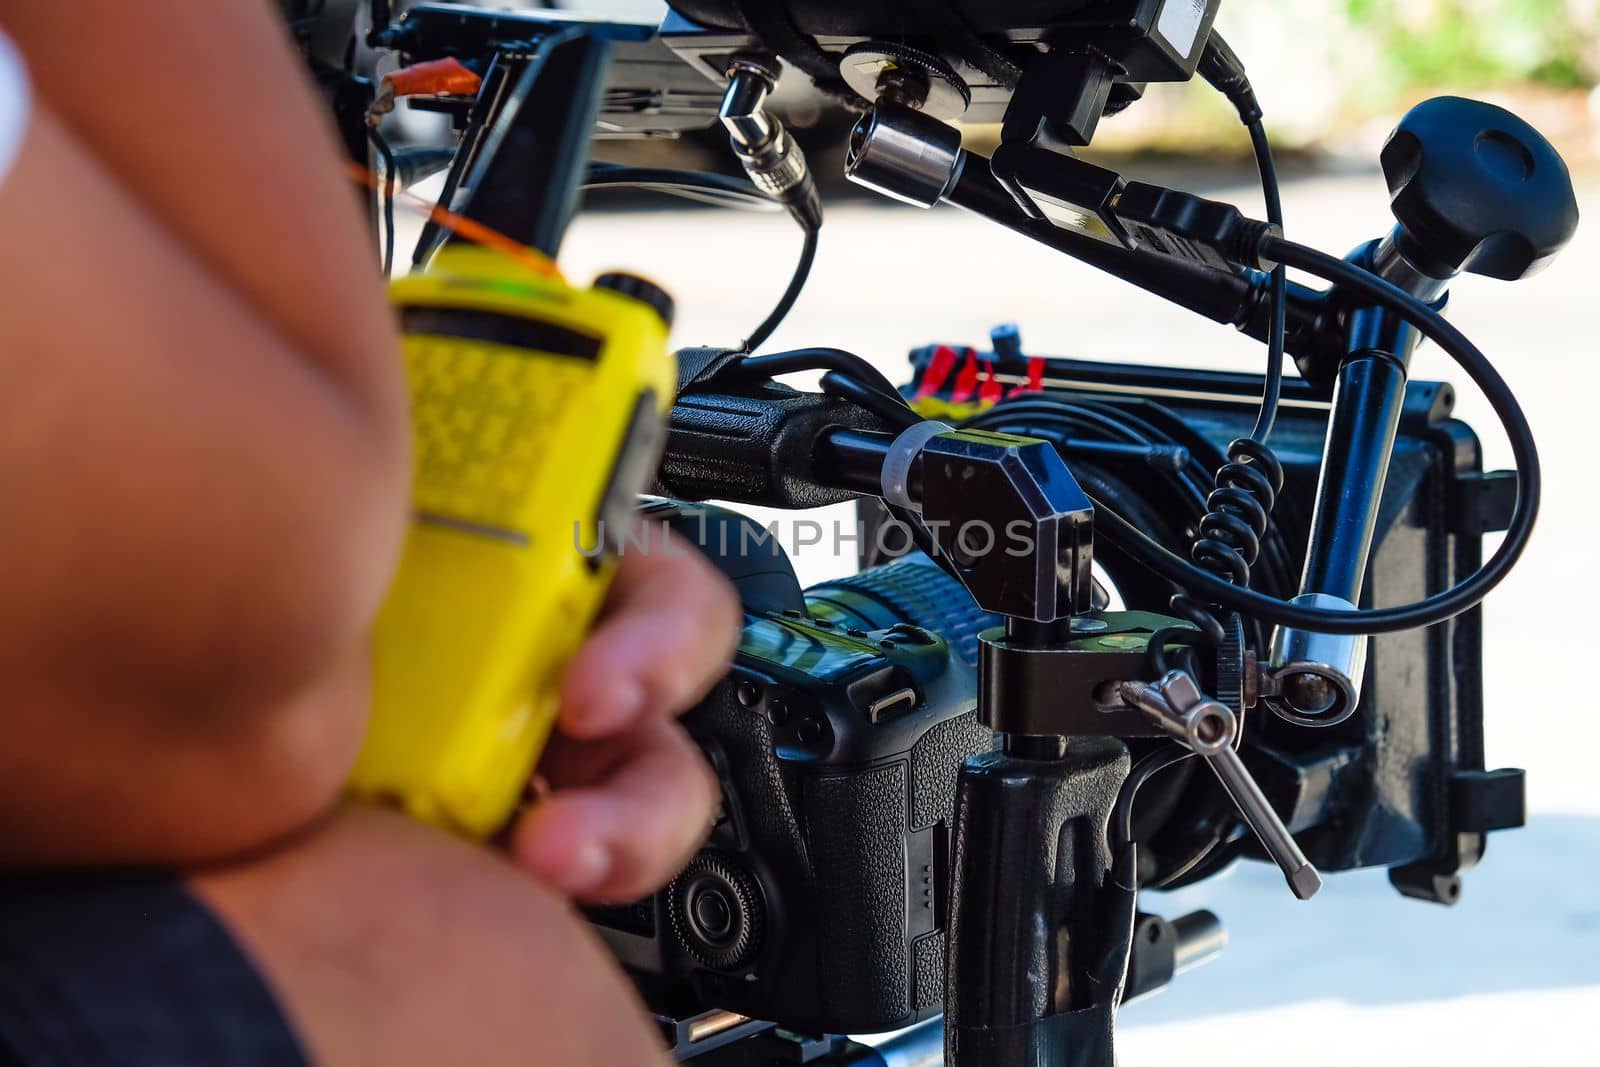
column 128, row 970
column 696, row 366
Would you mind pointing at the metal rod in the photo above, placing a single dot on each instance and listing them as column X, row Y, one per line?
column 1201, row 939
column 1367, row 403
column 1235, row 298
column 853, row 460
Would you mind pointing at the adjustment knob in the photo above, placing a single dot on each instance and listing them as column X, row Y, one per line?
column 1477, row 189
column 643, row 290
column 718, row 913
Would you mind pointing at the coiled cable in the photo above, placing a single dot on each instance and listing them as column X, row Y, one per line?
column 1228, row 538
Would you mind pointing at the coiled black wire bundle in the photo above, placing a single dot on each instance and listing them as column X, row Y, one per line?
column 1228, row 540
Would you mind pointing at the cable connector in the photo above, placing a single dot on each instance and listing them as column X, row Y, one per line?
column 1221, row 67
column 766, row 150
column 1191, row 227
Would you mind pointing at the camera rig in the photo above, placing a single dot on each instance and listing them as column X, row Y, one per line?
column 1303, row 618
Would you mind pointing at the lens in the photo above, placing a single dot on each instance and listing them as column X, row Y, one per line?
column 911, row 590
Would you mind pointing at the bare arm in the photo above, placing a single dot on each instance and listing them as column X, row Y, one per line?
column 388, row 943
column 202, row 440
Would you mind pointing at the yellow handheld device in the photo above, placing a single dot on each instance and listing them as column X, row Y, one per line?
column 538, row 416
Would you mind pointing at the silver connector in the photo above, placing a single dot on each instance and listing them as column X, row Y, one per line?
column 765, row 149
column 1315, row 678
column 904, row 154
column 743, row 112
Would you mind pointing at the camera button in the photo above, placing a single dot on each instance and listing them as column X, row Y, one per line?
column 777, row 712
column 810, row 730
column 712, row 914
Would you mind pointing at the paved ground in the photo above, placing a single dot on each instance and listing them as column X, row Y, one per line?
column 1359, row 972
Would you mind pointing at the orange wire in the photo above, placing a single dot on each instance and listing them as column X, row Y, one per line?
column 460, row 225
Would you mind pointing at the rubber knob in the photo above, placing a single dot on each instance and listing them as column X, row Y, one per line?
column 1477, row 189
column 641, row 289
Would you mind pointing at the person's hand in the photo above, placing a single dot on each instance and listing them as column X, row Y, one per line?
column 631, row 797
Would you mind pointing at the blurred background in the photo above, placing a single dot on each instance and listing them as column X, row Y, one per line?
column 1359, row 972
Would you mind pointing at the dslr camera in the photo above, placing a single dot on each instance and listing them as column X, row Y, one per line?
column 819, row 898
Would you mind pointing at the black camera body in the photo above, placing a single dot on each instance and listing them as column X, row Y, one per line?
column 819, row 900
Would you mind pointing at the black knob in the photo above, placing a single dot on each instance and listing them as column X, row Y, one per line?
column 641, row 289
column 718, row 912
column 1477, row 189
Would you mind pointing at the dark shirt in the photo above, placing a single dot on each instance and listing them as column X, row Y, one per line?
column 128, row 969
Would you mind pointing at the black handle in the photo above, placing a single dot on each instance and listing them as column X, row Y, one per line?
column 1034, row 908
column 1477, row 189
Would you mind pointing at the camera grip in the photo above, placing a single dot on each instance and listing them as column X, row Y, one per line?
column 856, row 823
column 753, row 445
column 878, row 843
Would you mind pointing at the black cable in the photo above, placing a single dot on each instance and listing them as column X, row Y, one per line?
column 387, row 154
column 1165, row 755
column 825, row 359
column 723, row 191
column 1269, row 609
column 1433, row 609
column 1272, row 388
column 1191, row 485
column 1221, row 67
column 1227, row 539
column 709, row 187
column 802, row 271
column 854, row 379
column 893, row 411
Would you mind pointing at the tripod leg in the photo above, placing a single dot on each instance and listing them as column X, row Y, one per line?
column 1034, row 907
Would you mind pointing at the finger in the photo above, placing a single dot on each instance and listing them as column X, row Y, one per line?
column 668, row 633
column 626, row 836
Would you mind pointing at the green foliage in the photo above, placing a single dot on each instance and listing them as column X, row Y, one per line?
column 1426, row 42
